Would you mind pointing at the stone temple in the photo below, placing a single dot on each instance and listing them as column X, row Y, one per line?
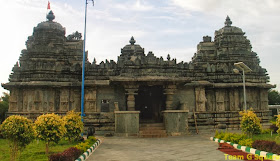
column 139, row 88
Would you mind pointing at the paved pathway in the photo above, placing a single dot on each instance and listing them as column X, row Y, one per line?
column 187, row 148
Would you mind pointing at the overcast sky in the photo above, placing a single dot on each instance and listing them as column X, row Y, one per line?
column 172, row 27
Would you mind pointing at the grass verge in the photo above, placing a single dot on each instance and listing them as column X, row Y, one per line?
column 34, row 151
column 267, row 137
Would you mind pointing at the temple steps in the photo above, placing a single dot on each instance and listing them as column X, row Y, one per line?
column 152, row 130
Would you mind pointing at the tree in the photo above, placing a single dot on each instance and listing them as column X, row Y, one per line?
column 4, row 106
column 273, row 97
column 74, row 125
column 19, row 131
column 49, row 128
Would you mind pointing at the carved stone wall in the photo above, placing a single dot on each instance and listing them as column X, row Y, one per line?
column 234, row 100
column 13, row 101
column 220, row 99
column 90, row 100
column 105, row 93
column 64, row 100
column 263, row 99
column 211, row 100
column 75, row 100
column 200, row 99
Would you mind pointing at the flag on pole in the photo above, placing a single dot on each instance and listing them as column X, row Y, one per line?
column 49, row 5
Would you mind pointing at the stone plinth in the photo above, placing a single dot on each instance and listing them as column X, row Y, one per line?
column 176, row 121
column 127, row 123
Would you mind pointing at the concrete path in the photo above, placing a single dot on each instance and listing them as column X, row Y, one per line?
column 187, row 148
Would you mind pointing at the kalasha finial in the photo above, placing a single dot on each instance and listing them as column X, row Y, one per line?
column 50, row 16
column 132, row 41
column 228, row 22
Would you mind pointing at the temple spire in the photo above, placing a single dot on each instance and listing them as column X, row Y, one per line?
column 228, row 22
column 132, row 41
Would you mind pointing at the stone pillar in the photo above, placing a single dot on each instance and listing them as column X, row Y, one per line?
column 131, row 91
column 169, row 92
column 131, row 99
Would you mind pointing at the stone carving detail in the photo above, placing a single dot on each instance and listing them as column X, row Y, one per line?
column 25, row 101
column 211, row 100
column 74, row 36
column 220, row 96
column 90, row 100
column 234, row 100
column 13, row 100
column 200, row 99
column 264, row 99
column 38, row 100
column 64, row 100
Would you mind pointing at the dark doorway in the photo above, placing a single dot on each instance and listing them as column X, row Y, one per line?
column 150, row 101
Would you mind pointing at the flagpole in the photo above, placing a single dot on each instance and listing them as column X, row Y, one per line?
column 48, row 9
column 83, row 66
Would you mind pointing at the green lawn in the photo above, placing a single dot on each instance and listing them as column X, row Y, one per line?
column 34, row 151
column 266, row 137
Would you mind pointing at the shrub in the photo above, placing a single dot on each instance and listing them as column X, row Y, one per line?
column 19, row 131
column 276, row 149
column 220, row 135
column 69, row 154
column 83, row 146
column 73, row 125
column 49, row 128
column 92, row 139
column 237, row 137
column 240, row 139
column 268, row 146
column 246, row 142
column 250, row 123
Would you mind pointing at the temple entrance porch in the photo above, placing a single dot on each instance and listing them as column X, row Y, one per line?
column 150, row 101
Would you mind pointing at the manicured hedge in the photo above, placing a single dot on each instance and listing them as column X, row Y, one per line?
column 69, row 154
column 268, row 146
column 234, row 138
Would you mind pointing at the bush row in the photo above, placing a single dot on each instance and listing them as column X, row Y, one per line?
column 69, row 154
column 268, row 146
column 83, row 146
column 73, row 153
column 49, row 128
column 240, row 139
